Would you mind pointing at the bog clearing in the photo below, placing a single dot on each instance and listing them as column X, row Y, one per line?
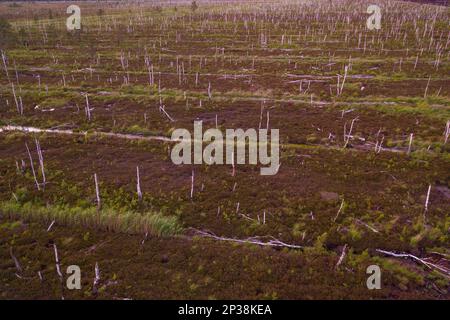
column 87, row 177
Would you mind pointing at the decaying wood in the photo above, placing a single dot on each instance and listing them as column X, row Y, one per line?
column 272, row 242
column 441, row 269
column 96, row 279
column 341, row 258
column 162, row 108
column 5, row 64
column 145, row 238
column 192, row 184
column 348, row 135
column 16, row 262
column 41, row 161
column 32, row 167
column 50, row 226
column 57, row 263
column 447, row 132
column 339, row 211
column 97, row 192
column 428, row 198
column 367, row 226
column 138, row 185
column 410, row 143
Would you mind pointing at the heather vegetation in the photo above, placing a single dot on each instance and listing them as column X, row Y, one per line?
column 86, row 118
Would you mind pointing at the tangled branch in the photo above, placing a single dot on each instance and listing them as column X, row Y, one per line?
column 272, row 242
column 433, row 266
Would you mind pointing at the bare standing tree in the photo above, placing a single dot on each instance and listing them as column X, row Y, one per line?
column 32, row 167
column 97, row 193
column 138, row 186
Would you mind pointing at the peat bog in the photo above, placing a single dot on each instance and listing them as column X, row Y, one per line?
column 364, row 123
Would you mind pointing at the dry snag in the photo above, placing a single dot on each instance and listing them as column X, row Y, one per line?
column 138, row 185
column 32, row 167
column 97, row 193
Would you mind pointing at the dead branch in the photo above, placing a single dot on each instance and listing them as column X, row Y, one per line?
column 57, row 263
column 339, row 211
column 254, row 240
column 50, row 226
column 367, row 226
column 97, row 192
column 138, row 186
column 442, row 270
column 41, row 161
column 192, row 184
column 16, row 262
column 348, row 135
column 447, row 132
column 427, row 199
column 96, row 279
column 32, row 167
column 341, row 258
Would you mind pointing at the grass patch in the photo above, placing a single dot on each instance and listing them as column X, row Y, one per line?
column 112, row 220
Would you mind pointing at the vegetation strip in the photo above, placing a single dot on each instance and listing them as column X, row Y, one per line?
column 365, row 147
column 113, row 220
